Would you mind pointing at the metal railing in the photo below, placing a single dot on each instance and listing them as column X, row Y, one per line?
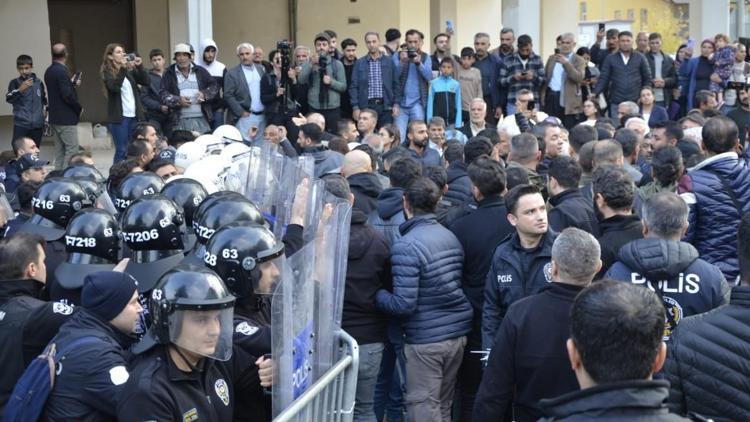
column 330, row 398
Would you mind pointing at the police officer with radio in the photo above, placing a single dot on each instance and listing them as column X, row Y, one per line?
column 187, row 367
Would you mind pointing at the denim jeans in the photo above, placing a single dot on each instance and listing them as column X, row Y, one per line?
column 406, row 115
column 217, row 119
column 390, row 385
column 121, row 136
column 370, row 356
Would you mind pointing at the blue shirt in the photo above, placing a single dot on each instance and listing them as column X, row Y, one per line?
column 412, row 92
column 556, row 80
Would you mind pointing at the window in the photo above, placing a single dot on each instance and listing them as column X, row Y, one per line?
column 582, row 11
column 618, row 14
column 631, row 14
column 644, row 17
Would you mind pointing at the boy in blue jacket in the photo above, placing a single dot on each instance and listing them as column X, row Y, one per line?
column 444, row 99
column 26, row 94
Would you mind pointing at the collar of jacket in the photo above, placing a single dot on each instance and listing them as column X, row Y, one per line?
column 618, row 221
column 415, row 221
column 740, row 296
column 25, row 287
column 561, row 290
column 313, row 149
column 716, row 158
column 358, row 217
column 562, row 196
column 644, row 394
column 88, row 319
column 544, row 248
column 491, row 201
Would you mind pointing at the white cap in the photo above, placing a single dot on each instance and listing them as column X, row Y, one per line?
column 228, row 133
column 188, row 153
column 182, row 48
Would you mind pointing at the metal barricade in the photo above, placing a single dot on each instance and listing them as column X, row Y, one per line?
column 331, row 397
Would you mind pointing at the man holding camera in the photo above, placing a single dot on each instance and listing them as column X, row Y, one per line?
column 326, row 81
column 414, row 70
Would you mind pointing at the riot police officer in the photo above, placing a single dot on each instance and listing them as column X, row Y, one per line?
column 135, row 186
column 188, row 194
column 92, row 242
column 187, row 368
column 54, row 204
column 93, row 182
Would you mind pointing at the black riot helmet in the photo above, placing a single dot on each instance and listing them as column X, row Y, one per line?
column 187, row 194
column 180, row 296
column 211, row 199
column 153, row 223
column 84, row 171
column 225, row 211
column 248, row 257
column 93, row 232
column 54, row 203
column 135, row 186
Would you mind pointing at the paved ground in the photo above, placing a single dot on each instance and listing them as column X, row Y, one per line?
column 102, row 157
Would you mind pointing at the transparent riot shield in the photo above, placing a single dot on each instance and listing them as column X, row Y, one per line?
column 292, row 325
column 6, row 211
column 331, row 251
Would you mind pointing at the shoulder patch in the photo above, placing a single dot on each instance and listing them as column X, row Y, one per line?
column 118, row 375
column 246, row 329
column 222, row 390
column 61, row 308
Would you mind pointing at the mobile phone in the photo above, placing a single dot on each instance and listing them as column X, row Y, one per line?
column 130, row 57
column 691, row 43
column 530, row 105
column 449, row 26
column 557, row 51
column 601, row 26
column 77, row 77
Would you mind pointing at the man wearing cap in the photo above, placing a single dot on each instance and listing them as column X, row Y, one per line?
column 94, row 343
column 242, row 94
column 20, row 147
column 27, row 323
column 31, row 169
column 326, row 81
column 188, row 90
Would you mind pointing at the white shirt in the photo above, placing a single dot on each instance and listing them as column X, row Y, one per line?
column 252, row 77
column 626, row 59
column 127, row 98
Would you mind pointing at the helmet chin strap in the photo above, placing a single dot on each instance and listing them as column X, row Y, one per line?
column 193, row 368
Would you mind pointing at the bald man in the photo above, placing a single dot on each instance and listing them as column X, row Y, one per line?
column 363, row 182
column 64, row 109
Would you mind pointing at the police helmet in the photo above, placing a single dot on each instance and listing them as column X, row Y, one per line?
column 187, row 194
column 153, row 223
column 228, row 133
column 223, row 212
column 94, row 232
column 213, row 198
column 136, row 185
column 183, row 298
column 84, row 171
column 248, row 257
column 54, row 203
column 189, row 153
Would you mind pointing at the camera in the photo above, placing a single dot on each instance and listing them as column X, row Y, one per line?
column 130, row 57
column 285, row 49
column 322, row 63
column 557, row 51
column 739, row 86
column 411, row 52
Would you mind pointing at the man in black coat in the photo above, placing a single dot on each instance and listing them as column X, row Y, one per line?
column 615, row 347
column 156, row 112
column 528, row 360
column 27, row 323
column 363, row 182
column 570, row 208
column 614, row 193
column 64, row 109
column 459, row 185
column 479, row 232
column 708, row 357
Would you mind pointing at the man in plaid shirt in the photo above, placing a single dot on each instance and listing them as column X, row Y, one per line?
column 522, row 70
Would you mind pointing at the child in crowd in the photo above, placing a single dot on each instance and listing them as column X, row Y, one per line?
column 444, row 99
column 470, row 80
column 26, row 94
column 723, row 60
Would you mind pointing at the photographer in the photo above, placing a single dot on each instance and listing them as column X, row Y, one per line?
column 414, row 72
column 274, row 86
column 326, row 80
column 120, row 74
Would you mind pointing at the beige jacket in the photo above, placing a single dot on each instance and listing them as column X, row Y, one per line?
column 575, row 71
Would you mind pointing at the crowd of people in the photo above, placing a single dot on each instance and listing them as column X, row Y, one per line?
column 565, row 239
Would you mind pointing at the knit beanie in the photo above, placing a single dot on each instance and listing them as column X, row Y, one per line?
column 105, row 293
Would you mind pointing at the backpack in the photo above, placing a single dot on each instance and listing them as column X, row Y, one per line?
column 29, row 396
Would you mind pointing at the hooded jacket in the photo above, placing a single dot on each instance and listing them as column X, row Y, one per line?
column 687, row 284
column 366, row 188
column 326, row 160
column 459, row 184
column 216, row 68
column 368, row 269
column 388, row 214
column 28, row 106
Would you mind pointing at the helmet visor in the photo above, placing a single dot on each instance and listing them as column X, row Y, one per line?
column 104, row 201
column 204, row 332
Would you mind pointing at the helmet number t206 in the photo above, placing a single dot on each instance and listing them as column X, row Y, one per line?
column 143, row 236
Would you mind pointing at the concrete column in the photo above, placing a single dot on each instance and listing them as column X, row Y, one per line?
column 708, row 18
column 200, row 21
column 524, row 17
column 474, row 16
column 178, row 24
column 740, row 18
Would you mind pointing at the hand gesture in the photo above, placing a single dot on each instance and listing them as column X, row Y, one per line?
column 26, row 85
column 327, row 79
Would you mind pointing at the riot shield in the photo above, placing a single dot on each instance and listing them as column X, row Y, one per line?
column 6, row 211
column 292, row 324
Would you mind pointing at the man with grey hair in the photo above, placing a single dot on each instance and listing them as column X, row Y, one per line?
column 242, row 95
column 662, row 262
column 489, row 66
column 627, row 108
column 528, row 361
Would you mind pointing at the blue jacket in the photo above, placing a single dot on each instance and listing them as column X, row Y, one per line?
column 658, row 114
column 361, row 82
column 687, row 284
column 514, row 274
column 489, row 67
column 713, row 215
column 409, row 94
column 388, row 214
column 28, row 106
column 459, row 184
column 93, row 376
column 64, row 108
column 427, row 264
column 687, row 79
column 444, row 100
column 429, row 157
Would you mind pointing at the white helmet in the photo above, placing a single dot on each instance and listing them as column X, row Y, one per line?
column 208, row 185
column 189, row 153
column 228, row 133
column 234, row 149
column 211, row 168
column 212, row 143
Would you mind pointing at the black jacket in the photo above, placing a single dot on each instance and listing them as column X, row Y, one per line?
column 479, row 233
column 668, row 74
column 28, row 106
column 708, row 362
column 368, row 270
column 26, row 326
column 366, row 188
column 63, row 107
column 88, row 386
column 459, row 184
column 571, row 209
column 388, row 214
column 687, row 284
column 614, row 232
column 640, row 400
column 170, row 92
column 113, row 85
column 624, row 81
column 529, row 361
column 151, row 100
